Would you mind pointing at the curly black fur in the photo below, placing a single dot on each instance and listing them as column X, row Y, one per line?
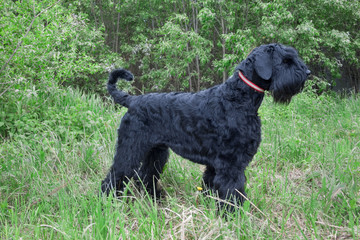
column 218, row 127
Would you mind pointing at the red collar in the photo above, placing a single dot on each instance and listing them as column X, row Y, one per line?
column 251, row 84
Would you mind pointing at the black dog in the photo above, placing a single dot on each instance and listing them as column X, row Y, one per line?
column 218, row 127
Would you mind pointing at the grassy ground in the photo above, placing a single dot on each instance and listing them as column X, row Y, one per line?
column 304, row 182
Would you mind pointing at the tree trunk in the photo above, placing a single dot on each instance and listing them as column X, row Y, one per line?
column 223, row 27
column 117, row 31
column 196, row 30
column 187, row 50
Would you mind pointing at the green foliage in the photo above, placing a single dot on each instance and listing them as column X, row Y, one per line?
column 178, row 43
column 60, row 46
column 44, row 45
column 68, row 114
column 175, row 50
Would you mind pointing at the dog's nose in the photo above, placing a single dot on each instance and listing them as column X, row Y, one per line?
column 308, row 72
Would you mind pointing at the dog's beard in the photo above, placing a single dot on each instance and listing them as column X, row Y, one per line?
column 286, row 84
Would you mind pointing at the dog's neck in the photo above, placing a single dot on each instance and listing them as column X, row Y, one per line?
column 250, row 83
column 256, row 79
column 242, row 94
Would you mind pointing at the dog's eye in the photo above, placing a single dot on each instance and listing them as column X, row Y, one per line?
column 287, row 61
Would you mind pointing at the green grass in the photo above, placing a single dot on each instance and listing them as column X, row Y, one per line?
column 304, row 182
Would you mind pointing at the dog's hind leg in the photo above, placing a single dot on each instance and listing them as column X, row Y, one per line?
column 131, row 150
column 126, row 163
column 152, row 167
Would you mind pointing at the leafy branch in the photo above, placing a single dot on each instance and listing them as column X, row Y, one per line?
column 22, row 40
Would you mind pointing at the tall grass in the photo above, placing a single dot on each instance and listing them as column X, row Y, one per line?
column 303, row 182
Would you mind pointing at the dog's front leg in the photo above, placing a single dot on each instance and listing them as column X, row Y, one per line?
column 230, row 185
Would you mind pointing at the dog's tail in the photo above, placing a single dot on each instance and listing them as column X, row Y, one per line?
column 120, row 97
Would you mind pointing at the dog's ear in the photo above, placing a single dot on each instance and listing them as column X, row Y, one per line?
column 263, row 63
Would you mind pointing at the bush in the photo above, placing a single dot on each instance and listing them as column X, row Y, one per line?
column 67, row 113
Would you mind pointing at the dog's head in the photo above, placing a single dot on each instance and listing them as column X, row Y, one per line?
column 276, row 68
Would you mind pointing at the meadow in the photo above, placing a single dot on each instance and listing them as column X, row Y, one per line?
column 304, row 182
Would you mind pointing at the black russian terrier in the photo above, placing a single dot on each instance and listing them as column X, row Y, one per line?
column 218, row 127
